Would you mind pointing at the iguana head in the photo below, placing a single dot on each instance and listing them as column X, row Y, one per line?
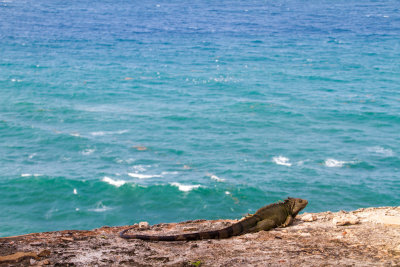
column 296, row 205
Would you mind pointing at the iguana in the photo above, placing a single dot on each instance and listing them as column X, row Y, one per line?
column 279, row 214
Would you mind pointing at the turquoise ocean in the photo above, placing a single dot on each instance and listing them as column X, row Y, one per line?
column 116, row 112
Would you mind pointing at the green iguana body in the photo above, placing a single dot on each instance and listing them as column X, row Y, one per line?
column 271, row 216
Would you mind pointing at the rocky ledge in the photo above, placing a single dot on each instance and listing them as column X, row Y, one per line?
column 365, row 237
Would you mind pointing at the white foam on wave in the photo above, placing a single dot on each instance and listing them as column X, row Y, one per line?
column 102, row 133
column 141, row 168
column 97, row 133
column 121, row 161
column 280, row 160
column 29, row 175
column 75, row 191
column 103, row 209
column 32, row 155
column 88, row 151
column 100, row 208
column 50, row 213
column 185, row 188
column 216, row 178
column 143, row 176
column 380, row 150
column 332, row 163
column 301, row 162
column 113, row 182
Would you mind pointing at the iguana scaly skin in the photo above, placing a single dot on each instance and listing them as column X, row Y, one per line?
column 274, row 215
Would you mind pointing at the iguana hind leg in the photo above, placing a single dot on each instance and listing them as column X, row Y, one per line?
column 265, row 225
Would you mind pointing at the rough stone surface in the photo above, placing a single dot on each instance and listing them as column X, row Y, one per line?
column 309, row 217
column 144, row 225
column 373, row 241
column 345, row 220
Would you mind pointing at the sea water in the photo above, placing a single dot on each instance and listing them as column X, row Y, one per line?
column 116, row 112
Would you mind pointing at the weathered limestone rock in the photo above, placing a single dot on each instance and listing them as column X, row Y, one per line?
column 313, row 240
column 309, row 217
column 17, row 257
column 144, row 225
column 345, row 220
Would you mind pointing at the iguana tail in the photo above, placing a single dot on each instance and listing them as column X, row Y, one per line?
column 233, row 230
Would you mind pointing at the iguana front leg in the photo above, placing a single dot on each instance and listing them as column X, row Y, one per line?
column 289, row 220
